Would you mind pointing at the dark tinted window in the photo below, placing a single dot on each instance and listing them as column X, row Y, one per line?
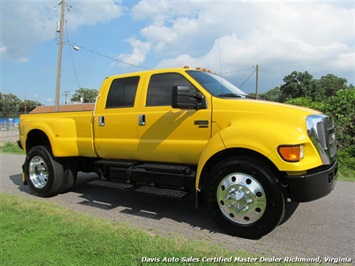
column 122, row 92
column 161, row 87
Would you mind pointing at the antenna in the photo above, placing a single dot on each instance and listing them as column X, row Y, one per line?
column 220, row 60
column 256, row 81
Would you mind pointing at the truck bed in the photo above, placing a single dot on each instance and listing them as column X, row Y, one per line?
column 72, row 132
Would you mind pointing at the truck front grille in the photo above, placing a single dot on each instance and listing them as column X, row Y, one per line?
column 320, row 129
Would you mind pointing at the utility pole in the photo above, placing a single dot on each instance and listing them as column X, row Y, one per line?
column 60, row 49
column 25, row 105
column 66, row 93
column 257, row 82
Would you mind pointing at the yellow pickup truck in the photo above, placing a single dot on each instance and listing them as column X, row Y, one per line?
column 175, row 132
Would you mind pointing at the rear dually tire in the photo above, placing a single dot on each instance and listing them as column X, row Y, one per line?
column 44, row 174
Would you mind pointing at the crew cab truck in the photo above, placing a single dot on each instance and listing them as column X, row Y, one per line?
column 174, row 132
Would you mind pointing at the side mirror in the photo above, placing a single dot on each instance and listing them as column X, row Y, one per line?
column 184, row 99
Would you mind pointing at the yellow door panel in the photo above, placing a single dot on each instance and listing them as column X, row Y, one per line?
column 116, row 121
column 173, row 135
column 116, row 134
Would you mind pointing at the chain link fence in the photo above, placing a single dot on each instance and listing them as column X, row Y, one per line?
column 9, row 129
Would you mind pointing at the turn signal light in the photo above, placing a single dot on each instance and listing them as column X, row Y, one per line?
column 292, row 153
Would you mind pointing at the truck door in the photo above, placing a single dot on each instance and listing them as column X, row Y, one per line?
column 115, row 125
column 167, row 134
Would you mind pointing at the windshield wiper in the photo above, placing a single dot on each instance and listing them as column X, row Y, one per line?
column 246, row 96
column 229, row 95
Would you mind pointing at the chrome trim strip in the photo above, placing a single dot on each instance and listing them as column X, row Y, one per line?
column 320, row 129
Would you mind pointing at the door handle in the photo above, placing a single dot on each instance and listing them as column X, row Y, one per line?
column 101, row 121
column 141, row 120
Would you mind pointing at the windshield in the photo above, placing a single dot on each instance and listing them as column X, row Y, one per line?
column 216, row 85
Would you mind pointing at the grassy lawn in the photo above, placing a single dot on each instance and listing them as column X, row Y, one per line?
column 37, row 233
column 10, row 147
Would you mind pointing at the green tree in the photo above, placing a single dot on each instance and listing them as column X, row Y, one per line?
column 341, row 108
column 302, row 84
column 331, row 84
column 85, row 95
column 9, row 105
column 308, row 102
column 271, row 95
column 29, row 105
column 297, row 84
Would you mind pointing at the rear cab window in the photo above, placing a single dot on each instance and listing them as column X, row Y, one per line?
column 122, row 92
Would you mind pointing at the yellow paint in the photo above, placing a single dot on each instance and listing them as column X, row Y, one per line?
column 171, row 135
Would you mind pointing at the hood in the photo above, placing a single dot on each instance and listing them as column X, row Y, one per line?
column 227, row 111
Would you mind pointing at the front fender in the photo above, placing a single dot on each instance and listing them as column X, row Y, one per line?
column 263, row 139
column 214, row 146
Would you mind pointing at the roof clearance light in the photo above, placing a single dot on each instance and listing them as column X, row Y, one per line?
column 186, row 67
column 198, row 68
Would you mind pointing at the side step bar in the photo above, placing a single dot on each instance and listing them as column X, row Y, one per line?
column 111, row 184
column 162, row 192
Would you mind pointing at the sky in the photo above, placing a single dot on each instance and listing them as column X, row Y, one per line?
column 228, row 37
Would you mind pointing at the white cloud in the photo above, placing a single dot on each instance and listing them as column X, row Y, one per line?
column 23, row 60
column 281, row 36
column 138, row 54
column 27, row 24
column 92, row 12
column 2, row 49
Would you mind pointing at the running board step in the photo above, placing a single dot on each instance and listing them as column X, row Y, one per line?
column 163, row 192
column 111, row 184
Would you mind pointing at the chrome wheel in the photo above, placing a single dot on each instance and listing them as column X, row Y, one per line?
column 241, row 198
column 44, row 173
column 38, row 172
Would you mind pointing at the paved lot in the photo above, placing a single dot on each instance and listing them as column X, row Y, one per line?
column 322, row 228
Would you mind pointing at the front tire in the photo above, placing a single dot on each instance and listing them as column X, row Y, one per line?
column 244, row 197
column 44, row 174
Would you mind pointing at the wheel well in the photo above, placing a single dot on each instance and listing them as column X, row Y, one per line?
column 36, row 138
column 218, row 157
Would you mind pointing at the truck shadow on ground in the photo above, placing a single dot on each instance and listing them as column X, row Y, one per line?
column 110, row 201
column 130, row 202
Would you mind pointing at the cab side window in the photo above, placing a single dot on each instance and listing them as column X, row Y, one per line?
column 122, row 92
column 161, row 86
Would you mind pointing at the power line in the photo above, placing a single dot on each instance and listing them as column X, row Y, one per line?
column 30, row 19
column 108, row 57
column 72, row 60
column 247, row 78
column 238, row 70
column 30, row 50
